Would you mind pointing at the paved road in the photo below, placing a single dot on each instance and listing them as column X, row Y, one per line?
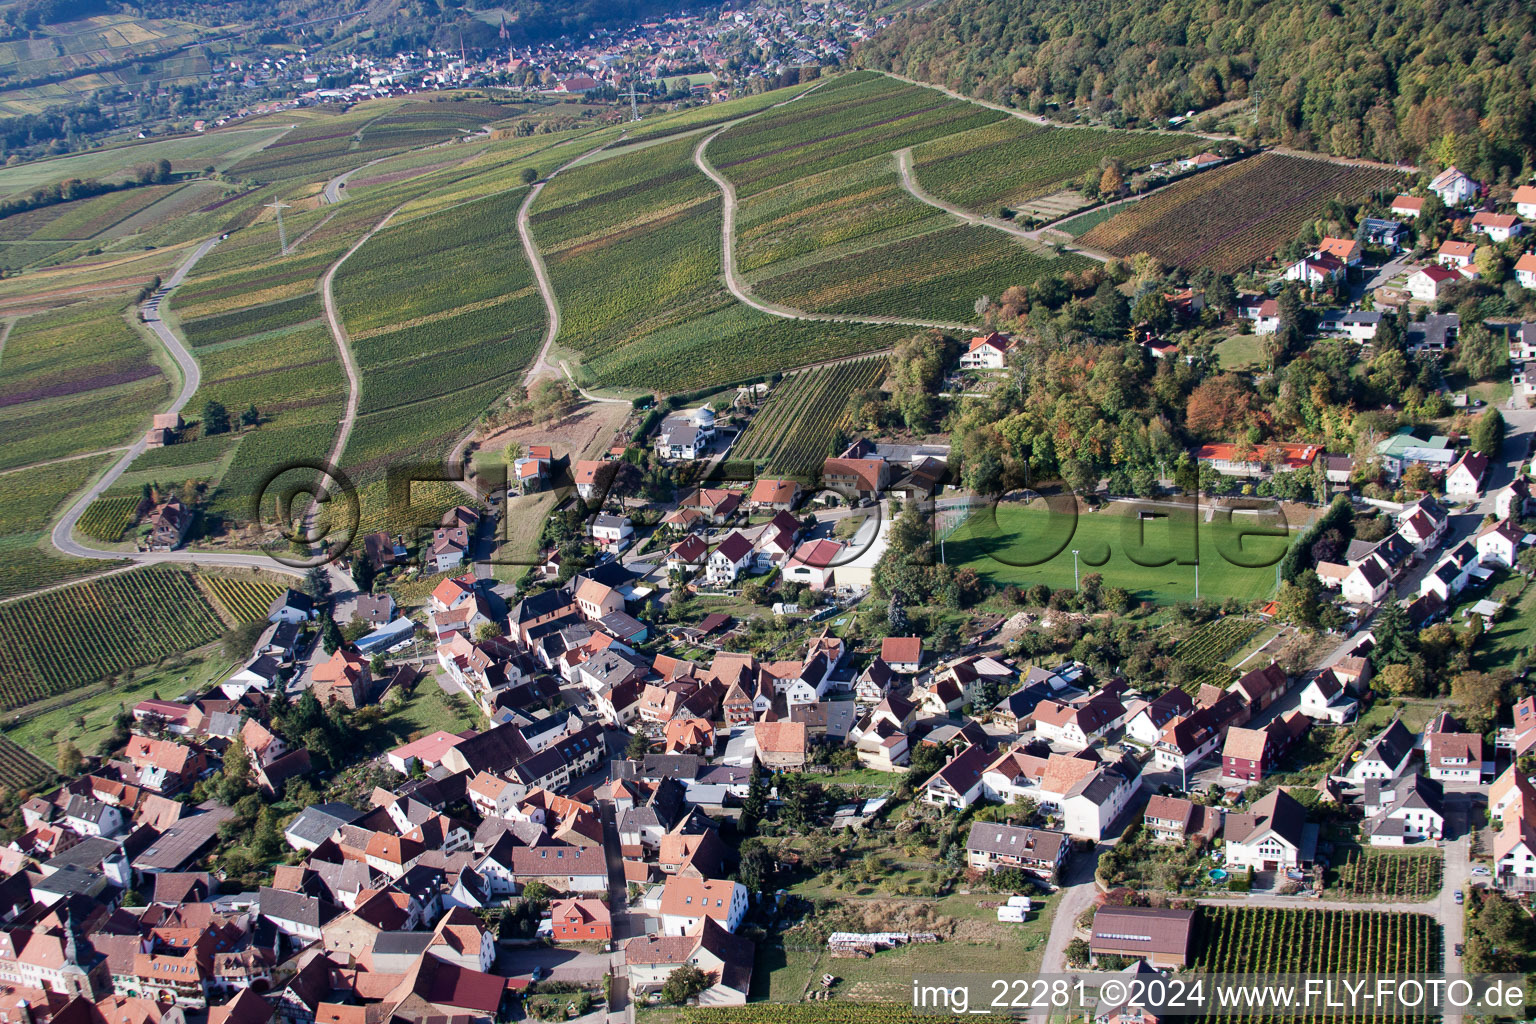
column 739, row 288
column 191, row 378
column 336, row 189
column 541, row 366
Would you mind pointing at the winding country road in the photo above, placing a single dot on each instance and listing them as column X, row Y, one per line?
column 739, row 289
column 344, row 346
column 62, row 536
column 542, row 366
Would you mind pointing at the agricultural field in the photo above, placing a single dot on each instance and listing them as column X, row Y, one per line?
column 851, row 118
column 61, row 365
column 251, row 321
column 29, row 500
column 1021, row 544
column 115, row 163
column 848, row 209
column 667, row 324
column 1369, row 874
column 1234, row 940
column 938, row 275
column 793, row 432
column 1010, row 162
column 1206, row 650
column 1234, row 216
column 239, row 598
column 436, row 344
column 109, row 624
column 694, row 118
column 107, row 517
column 20, row 769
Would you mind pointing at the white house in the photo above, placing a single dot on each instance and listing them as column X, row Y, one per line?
column 1456, row 255
column 987, row 353
column 1499, row 544
column 1451, row 754
column 1513, row 500
column 1315, row 271
column 1525, row 270
column 1464, row 480
column 1410, row 809
column 612, row 532
column 1426, row 283
column 1524, row 199
column 728, row 560
column 688, row 554
column 1500, row 227
column 1324, row 700
column 1407, row 206
column 1453, row 187
column 1267, row 319
column 686, row 435
column 1187, row 740
column 1087, row 794
column 685, row 901
column 1367, row 583
column 1146, row 725
column 813, row 563
column 1269, row 837
column 1451, row 574
column 1423, row 524
column 1078, row 726
column 1384, row 758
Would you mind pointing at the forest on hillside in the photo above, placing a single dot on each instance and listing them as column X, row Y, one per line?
column 1418, row 81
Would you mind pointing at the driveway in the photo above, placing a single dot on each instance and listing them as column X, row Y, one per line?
column 562, row 963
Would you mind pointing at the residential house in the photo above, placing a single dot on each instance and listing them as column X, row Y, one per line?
column 1524, row 198
column 988, row 352
column 1316, row 271
column 813, row 563
column 729, row 559
column 591, row 477
column 1346, row 250
column 1427, row 283
column 168, row 525
column 1500, row 227
column 1464, row 480
column 1525, row 270
column 1261, row 460
column 1453, row 187
column 685, row 901
column 1078, row 726
column 1451, row 754
column 1273, row 835
column 774, row 495
column 1411, row 808
column 612, row 533
column 686, row 435
column 688, row 555
column 1383, row 759
column 903, row 654
column 1457, row 256
column 580, row 920
column 1366, row 583
column 1499, row 544
column 856, row 478
column 1407, row 206
column 1386, row 233
column 1249, row 753
column 781, row 746
column 725, row 959
column 990, row 846
column 291, row 606
column 1323, row 699
column 1173, row 819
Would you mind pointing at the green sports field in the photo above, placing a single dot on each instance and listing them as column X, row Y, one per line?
column 1021, row 545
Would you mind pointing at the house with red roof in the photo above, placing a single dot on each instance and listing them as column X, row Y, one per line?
column 580, row 920
column 903, row 654
column 987, row 352
column 774, row 495
column 1407, row 206
column 428, row 751
column 813, row 562
column 1525, row 270
column 1456, row 255
column 1500, row 227
column 729, row 559
column 1464, row 480
column 1426, row 283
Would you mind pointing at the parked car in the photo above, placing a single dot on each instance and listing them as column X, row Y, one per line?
column 1481, row 870
column 1460, row 897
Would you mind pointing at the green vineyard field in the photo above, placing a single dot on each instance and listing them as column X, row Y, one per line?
column 792, row 433
column 241, row 599
column 106, row 625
